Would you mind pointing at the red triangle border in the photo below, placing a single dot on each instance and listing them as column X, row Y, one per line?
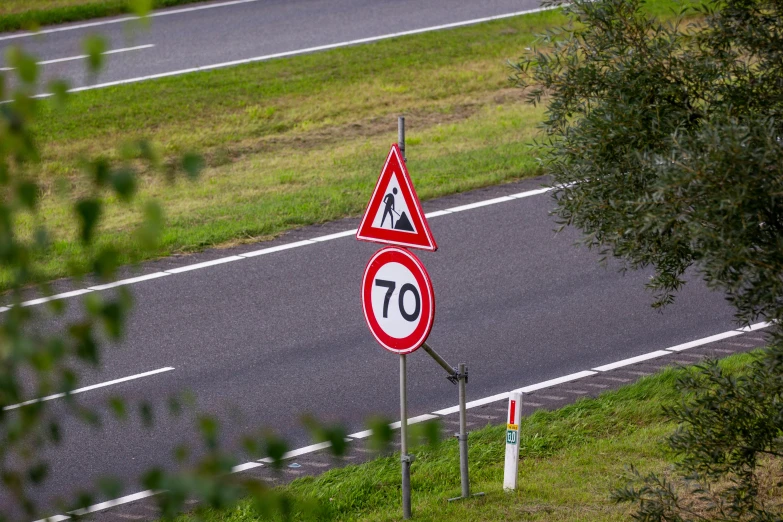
column 366, row 232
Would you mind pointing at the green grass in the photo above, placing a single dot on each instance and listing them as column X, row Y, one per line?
column 296, row 141
column 571, row 459
column 31, row 14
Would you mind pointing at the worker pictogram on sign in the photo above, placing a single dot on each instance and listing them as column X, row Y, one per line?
column 394, row 215
column 398, row 301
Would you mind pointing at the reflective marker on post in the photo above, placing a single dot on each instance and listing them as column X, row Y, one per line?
column 512, row 440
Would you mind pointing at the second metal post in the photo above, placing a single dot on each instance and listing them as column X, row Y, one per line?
column 463, row 434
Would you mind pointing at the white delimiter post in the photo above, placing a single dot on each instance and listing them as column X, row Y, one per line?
column 512, row 441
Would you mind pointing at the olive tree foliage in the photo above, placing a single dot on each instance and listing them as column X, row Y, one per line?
column 665, row 138
column 37, row 360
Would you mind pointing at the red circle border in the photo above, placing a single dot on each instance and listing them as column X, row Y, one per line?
column 414, row 341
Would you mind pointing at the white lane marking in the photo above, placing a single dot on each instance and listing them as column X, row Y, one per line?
column 396, row 425
column 554, row 382
column 705, row 340
column 632, row 360
column 301, row 451
column 88, row 388
column 364, row 434
column 529, row 193
column 297, row 52
column 155, row 14
column 279, row 248
column 480, row 204
column 336, row 235
column 129, row 281
column 264, row 251
column 754, row 327
column 85, row 56
column 246, row 466
column 437, row 213
column 64, row 295
column 205, row 264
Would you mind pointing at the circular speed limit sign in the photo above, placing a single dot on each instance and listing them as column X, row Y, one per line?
column 398, row 302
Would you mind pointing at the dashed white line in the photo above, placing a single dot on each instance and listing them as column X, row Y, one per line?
column 88, row 388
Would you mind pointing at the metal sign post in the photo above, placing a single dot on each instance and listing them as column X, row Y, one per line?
column 405, row 459
column 458, row 376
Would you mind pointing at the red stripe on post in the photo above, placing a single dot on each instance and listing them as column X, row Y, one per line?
column 512, row 411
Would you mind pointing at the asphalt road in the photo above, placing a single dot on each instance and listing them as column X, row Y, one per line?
column 262, row 340
column 187, row 38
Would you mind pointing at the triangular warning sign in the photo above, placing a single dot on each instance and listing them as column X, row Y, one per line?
column 394, row 215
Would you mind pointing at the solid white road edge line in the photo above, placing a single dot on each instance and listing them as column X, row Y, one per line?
column 270, row 250
column 421, row 418
column 298, row 52
column 122, row 19
column 632, row 360
column 91, row 387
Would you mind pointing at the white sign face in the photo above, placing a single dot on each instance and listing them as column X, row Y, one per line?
column 398, row 301
column 393, row 213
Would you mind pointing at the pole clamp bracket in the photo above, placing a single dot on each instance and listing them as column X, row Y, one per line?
column 407, row 458
column 457, row 376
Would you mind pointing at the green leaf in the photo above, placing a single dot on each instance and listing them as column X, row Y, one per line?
column 117, row 405
column 151, row 227
column 192, row 164
column 89, row 211
column 25, row 64
column 106, row 262
column 27, row 192
column 381, row 433
column 59, row 90
column 95, row 48
column 146, row 413
column 124, row 183
column 275, row 448
column 141, row 7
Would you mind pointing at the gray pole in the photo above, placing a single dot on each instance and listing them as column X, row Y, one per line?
column 404, row 458
column 401, row 136
column 463, row 435
column 440, row 360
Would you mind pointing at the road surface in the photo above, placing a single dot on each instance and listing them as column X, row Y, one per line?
column 261, row 340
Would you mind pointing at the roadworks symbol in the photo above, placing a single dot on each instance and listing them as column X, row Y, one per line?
column 511, row 437
column 393, row 212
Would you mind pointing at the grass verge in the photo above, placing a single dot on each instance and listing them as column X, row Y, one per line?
column 295, row 141
column 30, row 15
column 571, row 460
